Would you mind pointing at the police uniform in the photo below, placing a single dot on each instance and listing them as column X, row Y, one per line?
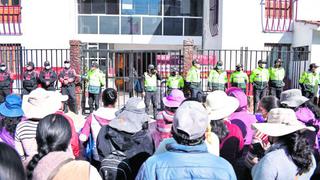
column 218, row 78
column 260, row 78
column 309, row 80
column 30, row 79
column 193, row 80
column 239, row 78
column 150, row 88
column 48, row 77
column 5, row 82
column 276, row 80
column 96, row 81
column 174, row 81
column 67, row 78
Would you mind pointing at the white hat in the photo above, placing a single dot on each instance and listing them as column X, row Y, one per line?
column 292, row 98
column 219, row 105
column 281, row 121
column 40, row 103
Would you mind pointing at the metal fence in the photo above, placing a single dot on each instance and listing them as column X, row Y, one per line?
column 16, row 58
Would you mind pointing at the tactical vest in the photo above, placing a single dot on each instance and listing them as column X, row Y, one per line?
column 150, row 82
column 5, row 79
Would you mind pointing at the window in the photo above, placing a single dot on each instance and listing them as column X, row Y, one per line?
column 10, row 12
column 278, row 9
column 183, row 8
column 192, row 27
column 277, row 15
column 145, row 7
column 98, row 6
column 214, row 17
column 9, row 2
column 88, row 24
column 173, row 26
column 130, row 25
column 301, row 53
column 109, row 25
column 152, row 26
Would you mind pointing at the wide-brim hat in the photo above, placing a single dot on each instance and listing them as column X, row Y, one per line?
column 174, row 99
column 40, row 103
column 281, row 122
column 219, row 105
column 292, row 98
column 131, row 117
column 12, row 106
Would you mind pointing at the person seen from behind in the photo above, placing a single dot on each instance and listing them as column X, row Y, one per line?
column 10, row 115
column 53, row 161
column 11, row 167
column 290, row 156
column 99, row 118
column 188, row 156
column 165, row 118
column 125, row 143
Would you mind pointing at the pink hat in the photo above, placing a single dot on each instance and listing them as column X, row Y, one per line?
column 174, row 99
column 240, row 95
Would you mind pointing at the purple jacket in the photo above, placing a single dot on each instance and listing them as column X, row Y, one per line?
column 6, row 137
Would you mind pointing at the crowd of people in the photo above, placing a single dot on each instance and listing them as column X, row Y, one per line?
column 214, row 137
column 189, row 139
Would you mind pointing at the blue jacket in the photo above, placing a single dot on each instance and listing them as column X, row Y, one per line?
column 186, row 162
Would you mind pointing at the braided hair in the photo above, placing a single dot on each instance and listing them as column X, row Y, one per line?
column 53, row 134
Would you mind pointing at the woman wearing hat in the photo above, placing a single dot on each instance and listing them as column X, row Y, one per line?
column 219, row 107
column 165, row 118
column 126, row 138
column 11, row 114
column 290, row 156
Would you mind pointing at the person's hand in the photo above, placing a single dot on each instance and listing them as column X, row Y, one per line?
column 70, row 80
column 65, row 82
column 47, row 83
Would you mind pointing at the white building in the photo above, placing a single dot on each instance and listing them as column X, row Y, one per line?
column 278, row 25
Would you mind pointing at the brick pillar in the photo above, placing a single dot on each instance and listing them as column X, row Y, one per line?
column 188, row 46
column 75, row 61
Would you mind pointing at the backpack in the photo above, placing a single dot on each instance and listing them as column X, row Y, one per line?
column 115, row 166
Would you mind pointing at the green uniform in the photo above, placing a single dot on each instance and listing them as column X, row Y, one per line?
column 277, row 77
column 217, row 80
column 260, row 77
column 239, row 79
column 175, row 82
column 150, row 82
column 193, row 79
column 96, row 80
column 309, row 81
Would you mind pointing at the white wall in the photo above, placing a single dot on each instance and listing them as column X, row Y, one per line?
column 315, row 55
column 45, row 24
column 242, row 26
column 308, row 10
column 302, row 35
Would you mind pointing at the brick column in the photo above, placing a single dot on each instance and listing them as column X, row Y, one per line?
column 75, row 61
column 188, row 46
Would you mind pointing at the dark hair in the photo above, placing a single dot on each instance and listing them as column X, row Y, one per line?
column 10, row 124
column 313, row 107
column 299, row 150
column 109, row 96
column 10, row 164
column 53, row 134
column 183, row 138
column 269, row 102
column 219, row 128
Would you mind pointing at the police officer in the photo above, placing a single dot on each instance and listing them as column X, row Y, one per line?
column 96, row 81
column 150, row 88
column 218, row 79
column 5, row 82
column 48, row 77
column 174, row 81
column 309, row 80
column 67, row 78
column 30, row 79
column 239, row 78
column 260, row 78
column 193, row 79
column 277, row 74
